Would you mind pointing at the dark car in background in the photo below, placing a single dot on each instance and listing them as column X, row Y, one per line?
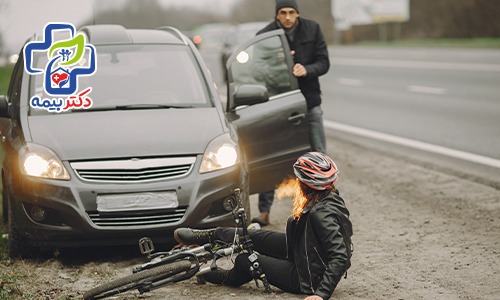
column 157, row 150
column 210, row 36
column 237, row 35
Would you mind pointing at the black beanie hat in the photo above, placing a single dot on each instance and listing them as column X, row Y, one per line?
column 286, row 3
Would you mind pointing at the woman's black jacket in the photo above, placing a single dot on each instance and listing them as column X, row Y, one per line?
column 317, row 245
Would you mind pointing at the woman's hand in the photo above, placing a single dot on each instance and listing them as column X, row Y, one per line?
column 313, row 297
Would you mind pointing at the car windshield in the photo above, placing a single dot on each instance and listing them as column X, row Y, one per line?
column 138, row 76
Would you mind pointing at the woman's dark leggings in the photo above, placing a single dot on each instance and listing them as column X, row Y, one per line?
column 271, row 247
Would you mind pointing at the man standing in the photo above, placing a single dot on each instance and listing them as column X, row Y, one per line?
column 310, row 55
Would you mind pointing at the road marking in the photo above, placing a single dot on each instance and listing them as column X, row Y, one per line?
column 484, row 160
column 426, row 90
column 412, row 64
column 350, row 81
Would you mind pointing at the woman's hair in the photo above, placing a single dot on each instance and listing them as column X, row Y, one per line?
column 303, row 195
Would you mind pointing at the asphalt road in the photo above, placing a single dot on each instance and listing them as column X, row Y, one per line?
column 445, row 97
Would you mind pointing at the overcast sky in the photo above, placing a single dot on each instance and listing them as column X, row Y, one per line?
column 19, row 19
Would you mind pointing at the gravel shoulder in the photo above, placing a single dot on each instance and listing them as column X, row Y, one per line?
column 419, row 233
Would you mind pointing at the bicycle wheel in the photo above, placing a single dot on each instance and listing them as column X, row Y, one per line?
column 136, row 280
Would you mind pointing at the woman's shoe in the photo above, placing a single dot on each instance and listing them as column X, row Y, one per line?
column 189, row 236
column 218, row 276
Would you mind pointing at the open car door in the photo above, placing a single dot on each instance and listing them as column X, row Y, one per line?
column 273, row 131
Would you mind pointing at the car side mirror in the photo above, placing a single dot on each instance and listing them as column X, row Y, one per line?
column 249, row 94
column 4, row 107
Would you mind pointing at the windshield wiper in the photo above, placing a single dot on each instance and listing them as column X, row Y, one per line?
column 133, row 106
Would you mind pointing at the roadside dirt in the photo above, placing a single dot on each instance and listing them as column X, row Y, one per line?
column 418, row 234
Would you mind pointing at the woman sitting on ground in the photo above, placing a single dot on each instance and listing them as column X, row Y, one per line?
column 313, row 254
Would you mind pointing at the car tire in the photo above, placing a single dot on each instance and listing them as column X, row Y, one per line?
column 18, row 248
column 4, row 208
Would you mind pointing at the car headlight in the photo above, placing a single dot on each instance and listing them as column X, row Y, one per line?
column 222, row 152
column 39, row 161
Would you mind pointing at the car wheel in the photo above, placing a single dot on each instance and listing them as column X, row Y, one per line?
column 17, row 246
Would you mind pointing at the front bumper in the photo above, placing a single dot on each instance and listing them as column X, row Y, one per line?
column 71, row 209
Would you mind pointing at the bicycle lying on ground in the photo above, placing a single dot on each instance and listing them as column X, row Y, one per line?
column 184, row 262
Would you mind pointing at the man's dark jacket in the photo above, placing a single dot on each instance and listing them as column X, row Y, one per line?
column 312, row 52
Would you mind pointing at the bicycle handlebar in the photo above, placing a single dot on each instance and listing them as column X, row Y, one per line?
column 255, row 267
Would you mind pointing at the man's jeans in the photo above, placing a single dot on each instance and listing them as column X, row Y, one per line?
column 316, row 129
column 316, row 140
column 266, row 200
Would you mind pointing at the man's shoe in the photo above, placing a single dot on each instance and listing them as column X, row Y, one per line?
column 218, row 276
column 188, row 236
column 262, row 219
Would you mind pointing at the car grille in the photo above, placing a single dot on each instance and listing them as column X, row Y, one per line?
column 133, row 219
column 134, row 170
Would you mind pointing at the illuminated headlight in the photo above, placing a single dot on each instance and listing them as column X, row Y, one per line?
column 39, row 161
column 222, row 152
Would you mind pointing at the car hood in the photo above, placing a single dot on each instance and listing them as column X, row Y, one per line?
column 138, row 133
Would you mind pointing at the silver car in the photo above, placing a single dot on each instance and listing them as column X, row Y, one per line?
column 157, row 149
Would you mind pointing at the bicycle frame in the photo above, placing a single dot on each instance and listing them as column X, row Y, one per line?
column 201, row 255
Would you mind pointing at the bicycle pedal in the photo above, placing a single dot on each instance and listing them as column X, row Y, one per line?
column 146, row 246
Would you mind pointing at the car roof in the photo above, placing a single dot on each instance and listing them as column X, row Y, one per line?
column 108, row 34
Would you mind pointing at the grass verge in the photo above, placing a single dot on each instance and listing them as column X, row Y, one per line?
column 5, row 73
column 9, row 279
column 3, row 243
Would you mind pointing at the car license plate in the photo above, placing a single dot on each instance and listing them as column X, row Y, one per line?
column 136, row 201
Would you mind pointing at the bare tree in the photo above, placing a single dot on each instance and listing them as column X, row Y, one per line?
column 4, row 10
column 263, row 10
column 321, row 12
column 428, row 18
column 252, row 10
column 440, row 19
column 151, row 14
